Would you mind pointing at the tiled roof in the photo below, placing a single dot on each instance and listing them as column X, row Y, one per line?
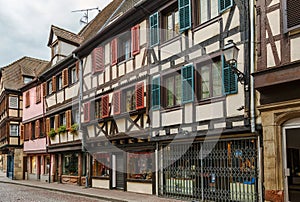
column 12, row 75
column 128, row 4
column 95, row 25
column 64, row 34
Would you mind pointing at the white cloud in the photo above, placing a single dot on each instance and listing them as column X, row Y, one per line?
column 25, row 25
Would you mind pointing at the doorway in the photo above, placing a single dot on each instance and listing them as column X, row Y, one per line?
column 10, row 166
column 291, row 151
column 118, row 176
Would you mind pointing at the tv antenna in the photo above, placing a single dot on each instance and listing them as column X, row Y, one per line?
column 85, row 18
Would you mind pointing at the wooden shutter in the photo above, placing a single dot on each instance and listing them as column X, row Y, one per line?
column 53, row 83
column 37, row 129
column 225, row 4
column 135, row 38
column 65, row 77
column 229, row 79
column 98, row 59
column 154, row 29
column 44, row 88
column 30, row 130
column 68, row 119
column 187, row 79
column 114, row 51
column 155, row 93
column 27, row 99
column 77, row 68
column 139, row 95
column 86, row 112
column 184, row 14
column 38, row 94
column 117, row 102
column 56, row 122
column 26, row 132
column 105, row 106
column 48, row 125
column 22, row 128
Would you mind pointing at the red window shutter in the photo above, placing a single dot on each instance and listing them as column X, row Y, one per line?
column 44, row 87
column 65, row 77
column 139, row 90
column 105, row 106
column 135, row 38
column 37, row 129
column 54, row 84
column 98, row 59
column 114, row 51
column 38, row 94
column 117, row 102
column 86, row 112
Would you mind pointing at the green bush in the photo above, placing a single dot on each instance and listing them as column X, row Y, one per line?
column 74, row 128
column 52, row 133
column 62, row 129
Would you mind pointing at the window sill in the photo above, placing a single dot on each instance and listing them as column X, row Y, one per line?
column 210, row 100
column 124, row 61
column 170, row 41
column 207, row 23
column 172, row 108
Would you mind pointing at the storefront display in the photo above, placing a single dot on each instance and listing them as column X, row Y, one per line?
column 140, row 166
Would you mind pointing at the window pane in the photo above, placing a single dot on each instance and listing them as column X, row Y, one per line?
column 47, row 164
column 14, row 130
column 140, row 165
column 101, row 165
column 217, row 79
column 130, row 100
column 205, row 82
column 203, row 11
column 169, row 23
column 33, row 164
column 214, row 8
column 170, row 91
column 176, row 28
column 70, row 164
column 178, row 89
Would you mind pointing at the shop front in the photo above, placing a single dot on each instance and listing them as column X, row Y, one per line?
column 211, row 170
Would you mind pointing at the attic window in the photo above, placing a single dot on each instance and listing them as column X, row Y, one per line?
column 27, row 79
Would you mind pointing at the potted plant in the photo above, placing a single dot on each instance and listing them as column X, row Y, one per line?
column 52, row 133
column 74, row 128
column 62, row 129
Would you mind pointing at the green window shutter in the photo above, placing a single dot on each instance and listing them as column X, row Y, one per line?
column 155, row 93
column 225, row 4
column 154, row 29
column 229, row 79
column 184, row 14
column 187, row 79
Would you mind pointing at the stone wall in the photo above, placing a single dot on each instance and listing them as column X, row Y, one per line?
column 18, row 164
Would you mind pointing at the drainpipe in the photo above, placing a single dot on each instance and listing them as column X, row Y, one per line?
column 252, row 97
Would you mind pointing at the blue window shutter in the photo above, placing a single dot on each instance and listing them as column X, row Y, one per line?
column 154, row 29
column 155, row 93
column 184, row 14
column 230, row 85
column 225, row 4
column 187, row 79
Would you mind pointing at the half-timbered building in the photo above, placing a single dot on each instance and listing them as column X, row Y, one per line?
column 14, row 77
column 276, row 79
column 163, row 113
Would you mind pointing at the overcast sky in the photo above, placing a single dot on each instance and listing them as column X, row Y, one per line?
column 25, row 25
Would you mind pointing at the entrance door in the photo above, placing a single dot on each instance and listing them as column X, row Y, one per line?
column 38, row 167
column 10, row 166
column 24, row 168
column 291, row 144
column 120, row 171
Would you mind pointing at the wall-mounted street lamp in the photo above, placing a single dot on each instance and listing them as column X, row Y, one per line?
column 231, row 52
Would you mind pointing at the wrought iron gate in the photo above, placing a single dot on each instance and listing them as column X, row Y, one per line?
column 225, row 170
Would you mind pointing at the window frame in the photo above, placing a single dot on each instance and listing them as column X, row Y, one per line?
column 59, row 82
column 165, row 90
column 287, row 29
column 73, row 71
column 124, row 42
column 49, row 87
column 133, row 99
column 170, row 11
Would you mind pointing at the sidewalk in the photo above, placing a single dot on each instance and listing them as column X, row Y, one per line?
column 103, row 194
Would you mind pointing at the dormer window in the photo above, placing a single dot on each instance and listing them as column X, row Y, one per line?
column 27, row 79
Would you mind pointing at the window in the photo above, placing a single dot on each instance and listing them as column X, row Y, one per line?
column 172, row 86
column 171, row 24
column 47, row 165
column 14, row 130
column 130, row 101
column 101, row 165
column 207, row 9
column 155, row 96
column 75, row 116
column 98, row 59
column 49, row 87
column 70, row 164
column 98, row 109
column 27, row 79
column 62, row 119
column 73, row 75
column 124, row 47
column 210, row 81
column 52, row 122
column 140, row 165
column 291, row 14
column 59, row 82
column 13, row 102
column 225, row 4
column 154, row 29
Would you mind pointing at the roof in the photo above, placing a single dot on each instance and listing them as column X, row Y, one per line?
column 95, row 25
column 64, row 34
column 12, row 75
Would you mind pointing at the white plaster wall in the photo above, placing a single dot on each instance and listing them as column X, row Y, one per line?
column 143, row 32
column 213, row 47
column 234, row 102
column 51, row 100
column 295, row 47
column 90, row 130
column 121, row 125
column 107, row 54
column 209, row 111
column 170, row 49
column 60, row 97
column 107, row 74
column 188, row 116
column 155, row 119
column 72, row 92
column 114, row 72
column 202, row 34
column 172, row 118
column 274, row 20
column 139, row 58
column 142, row 188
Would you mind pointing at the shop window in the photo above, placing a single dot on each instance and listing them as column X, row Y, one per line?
column 171, row 24
column 140, row 166
column 172, row 90
column 47, row 165
column 70, row 164
column 101, row 165
column 33, row 164
column 14, row 130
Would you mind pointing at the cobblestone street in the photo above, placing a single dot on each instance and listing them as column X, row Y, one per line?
column 11, row 192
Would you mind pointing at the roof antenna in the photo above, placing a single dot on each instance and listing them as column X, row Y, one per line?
column 85, row 18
